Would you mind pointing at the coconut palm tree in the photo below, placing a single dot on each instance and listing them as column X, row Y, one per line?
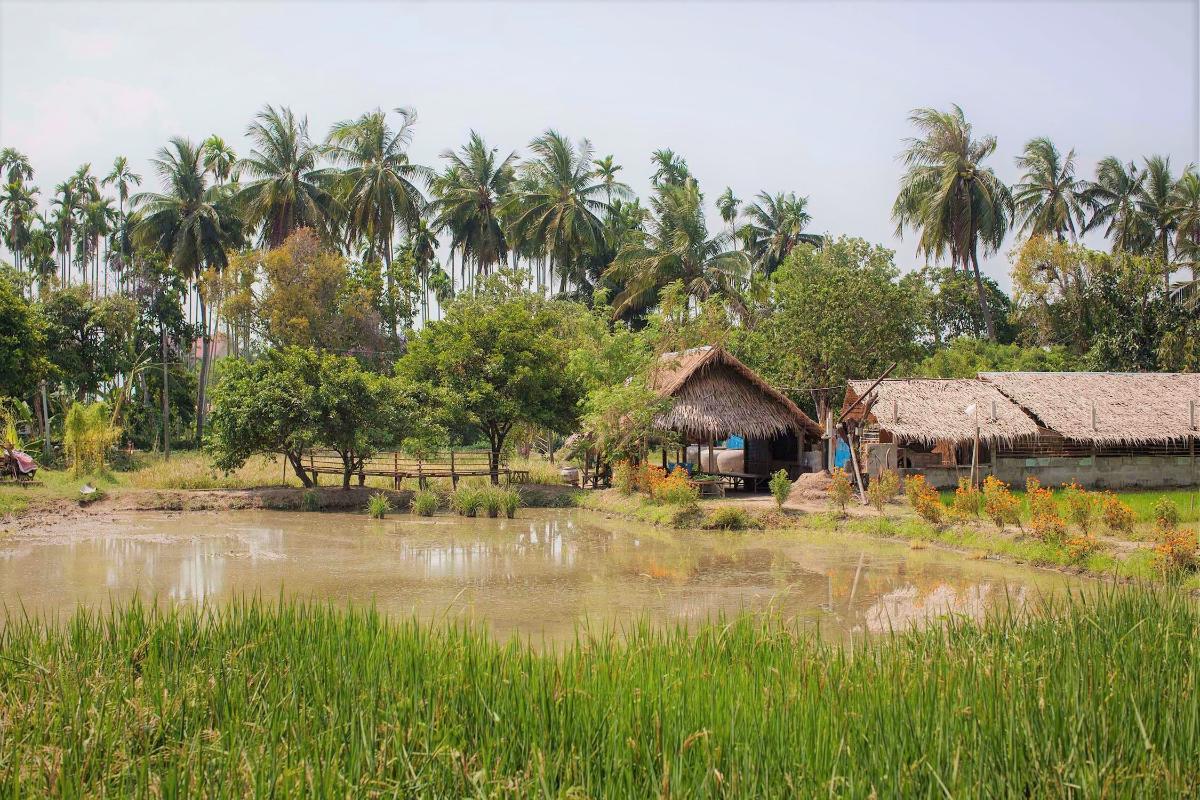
column 955, row 203
column 379, row 190
column 669, row 168
column 1048, row 197
column 1185, row 203
column 121, row 177
column 558, row 206
column 676, row 247
column 1156, row 206
column 776, row 225
column 470, row 194
column 219, row 159
column 18, row 204
column 1113, row 200
column 287, row 189
column 606, row 170
column 16, row 165
column 194, row 226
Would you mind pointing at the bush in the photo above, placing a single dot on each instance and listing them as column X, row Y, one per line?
column 649, row 478
column 467, row 501
column 510, row 501
column 624, row 477
column 1176, row 552
column 967, row 498
column 88, row 433
column 310, row 501
column 1118, row 516
column 729, row 518
column 492, row 502
column 1049, row 527
column 1080, row 546
column 840, row 489
column 675, row 489
column 1166, row 514
column 890, row 480
column 425, row 503
column 929, row 506
column 780, row 487
column 1041, row 499
column 999, row 504
column 379, row 506
column 878, row 494
column 1081, row 507
column 914, row 487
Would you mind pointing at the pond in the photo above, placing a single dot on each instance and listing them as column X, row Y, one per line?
column 543, row 574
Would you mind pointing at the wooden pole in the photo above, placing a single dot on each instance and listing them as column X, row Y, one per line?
column 975, row 452
column 862, row 495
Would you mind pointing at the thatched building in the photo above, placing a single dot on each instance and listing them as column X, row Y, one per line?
column 1103, row 430
column 715, row 396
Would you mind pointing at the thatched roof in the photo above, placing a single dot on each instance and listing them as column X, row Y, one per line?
column 1129, row 407
column 931, row 410
column 715, row 395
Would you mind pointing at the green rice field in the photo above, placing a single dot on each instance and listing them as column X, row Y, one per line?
column 1092, row 696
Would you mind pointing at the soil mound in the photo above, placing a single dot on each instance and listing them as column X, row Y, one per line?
column 810, row 486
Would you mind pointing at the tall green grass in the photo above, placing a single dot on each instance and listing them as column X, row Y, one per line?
column 1094, row 697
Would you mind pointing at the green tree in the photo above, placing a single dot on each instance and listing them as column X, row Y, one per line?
column 677, row 247
column 22, row 340
column 1113, row 201
column 219, row 159
column 287, row 189
column 122, row 177
column 193, row 225
column 469, row 196
column 1156, row 205
column 947, row 194
column 1048, row 198
column 88, row 339
column 496, row 357
column 840, row 312
column 775, row 225
column 967, row 356
column 952, row 309
column 266, row 406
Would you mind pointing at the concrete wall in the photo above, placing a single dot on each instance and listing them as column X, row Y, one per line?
column 1103, row 472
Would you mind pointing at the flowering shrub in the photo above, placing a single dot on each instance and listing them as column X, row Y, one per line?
column 1081, row 506
column 1001, row 505
column 878, row 494
column 1041, row 499
column 1080, row 546
column 914, row 487
column 1166, row 515
column 929, row 506
column 649, row 477
column 967, row 498
column 1177, row 551
column 889, row 481
column 840, row 489
column 1116, row 515
column 1049, row 527
column 674, row 489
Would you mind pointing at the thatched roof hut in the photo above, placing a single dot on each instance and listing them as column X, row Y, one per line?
column 715, row 396
column 1108, row 408
column 932, row 410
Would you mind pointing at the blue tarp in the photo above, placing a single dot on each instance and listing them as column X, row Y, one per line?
column 735, row 443
column 841, row 455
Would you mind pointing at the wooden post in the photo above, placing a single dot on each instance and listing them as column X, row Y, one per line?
column 664, row 454
column 830, row 442
column 862, row 494
column 711, row 467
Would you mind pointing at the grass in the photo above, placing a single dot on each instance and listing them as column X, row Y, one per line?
column 1140, row 500
column 1095, row 696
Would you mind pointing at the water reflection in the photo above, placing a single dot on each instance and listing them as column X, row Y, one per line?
column 543, row 574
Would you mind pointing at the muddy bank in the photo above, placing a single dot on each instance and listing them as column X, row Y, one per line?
column 55, row 512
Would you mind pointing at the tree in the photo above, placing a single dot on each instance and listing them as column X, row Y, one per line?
column 840, row 312
column 952, row 309
column 288, row 189
column 956, row 203
column 676, row 247
column 670, row 168
column 18, row 203
column 558, row 206
column 1113, row 200
column 776, row 225
column 967, row 356
column 88, row 338
column 219, row 159
column 15, row 166
column 264, row 407
column 606, row 170
column 22, row 340
column 470, row 194
column 1156, row 205
column 1048, row 197
column 379, row 189
column 499, row 363
column 122, row 177
column 727, row 207
column 193, row 225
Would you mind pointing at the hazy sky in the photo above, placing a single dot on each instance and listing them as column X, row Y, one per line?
column 804, row 96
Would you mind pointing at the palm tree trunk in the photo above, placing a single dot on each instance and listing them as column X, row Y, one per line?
column 203, row 384
column 988, row 322
column 166, row 396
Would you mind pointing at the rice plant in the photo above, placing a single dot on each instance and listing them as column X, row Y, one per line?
column 492, row 501
column 510, row 501
column 1092, row 696
column 378, row 505
column 425, row 503
column 467, row 500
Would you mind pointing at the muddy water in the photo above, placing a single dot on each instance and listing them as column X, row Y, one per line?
column 542, row 575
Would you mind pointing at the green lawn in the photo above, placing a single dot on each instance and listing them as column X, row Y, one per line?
column 1140, row 500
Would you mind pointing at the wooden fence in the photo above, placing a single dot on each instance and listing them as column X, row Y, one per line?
column 452, row 464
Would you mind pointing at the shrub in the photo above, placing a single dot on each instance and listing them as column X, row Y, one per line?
column 890, row 479
column 310, row 501
column 967, row 498
column 88, row 433
column 1049, row 527
column 1001, row 505
column 510, row 501
column 467, row 501
column 1166, row 515
column 1041, row 499
column 780, row 487
column 929, row 506
column 649, row 478
column 878, row 494
column 1081, row 507
column 624, row 477
column 914, row 487
column 729, row 518
column 1118, row 516
column 1176, row 552
column 1080, row 546
column 425, row 503
column 840, row 489
column 378, row 506
column 675, row 489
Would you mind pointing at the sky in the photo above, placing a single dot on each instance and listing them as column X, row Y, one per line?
column 811, row 97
